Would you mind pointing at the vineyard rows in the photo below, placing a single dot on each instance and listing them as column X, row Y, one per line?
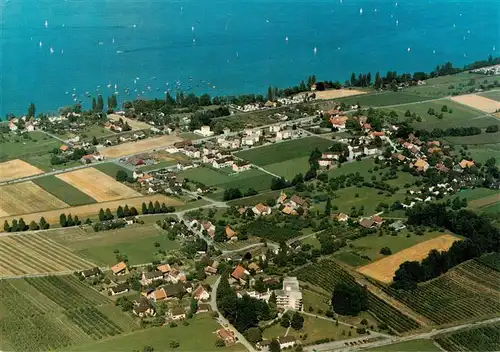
column 93, row 322
column 67, row 291
column 491, row 260
column 28, row 254
column 467, row 291
column 485, row 338
column 327, row 273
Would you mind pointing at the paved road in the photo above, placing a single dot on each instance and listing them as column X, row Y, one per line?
column 224, row 322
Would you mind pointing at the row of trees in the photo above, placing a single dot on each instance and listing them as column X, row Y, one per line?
column 155, row 208
column 67, row 221
column 452, row 131
column 481, row 237
column 235, row 193
column 18, row 226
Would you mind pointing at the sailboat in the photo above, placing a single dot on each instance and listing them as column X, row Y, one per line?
column 46, row 24
column 361, row 11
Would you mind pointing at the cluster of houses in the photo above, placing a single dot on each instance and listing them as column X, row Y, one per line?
column 257, row 106
column 66, row 150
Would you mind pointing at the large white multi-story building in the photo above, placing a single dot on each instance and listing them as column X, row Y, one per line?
column 290, row 296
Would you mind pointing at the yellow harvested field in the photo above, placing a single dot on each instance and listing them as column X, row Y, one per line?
column 91, row 210
column 383, row 270
column 98, row 185
column 337, row 93
column 17, row 168
column 134, row 124
column 25, row 254
column 139, row 146
column 27, row 197
column 478, row 102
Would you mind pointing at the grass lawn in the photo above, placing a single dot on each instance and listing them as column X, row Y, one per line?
column 495, row 95
column 159, row 165
column 315, row 328
column 192, row 204
column 135, row 241
column 461, row 114
column 409, row 346
column 258, row 198
column 316, row 301
column 313, row 241
column 289, row 168
column 484, row 152
column 190, row 136
column 159, row 338
column 64, row 191
column 351, row 258
column 110, row 169
column 490, row 209
column 483, row 138
column 284, row 151
column 370, row 245
column 356, row 166
column 381, row 99
column 447, row 85
column 474, row 193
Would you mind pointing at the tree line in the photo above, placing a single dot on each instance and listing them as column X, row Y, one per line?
column 20, row 225
column 481, row 237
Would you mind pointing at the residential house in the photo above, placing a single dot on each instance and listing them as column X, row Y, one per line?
column 399, row 157
column 342, row 217
column 185, row 165
column 230, row 233
column 90, row 272
column 191, row 152
column 255, row 267
column 354, row 152
column 149, row 277
column 290, row 297
column 204, row 131
column 287, row 341
column 177, row 314
column 203, row 308
column 157, row 295
column 12, row 125
column 175, row 276
column 261, row 209
column 119, row 289
column 274, row 128
column 377, row 220
column 119, row 269
column 208, row 158
column 143, row 308
column 397, row 225
column 164, row 268
column 325, row 163
column 421, row 165
column 296, row 201
column 331, row 155
column 63, row 148
column 223, row 162
column 289, row 210
column 250, row 140
column 241, row 166
column 88, row 159
column 285, row 134
column 464, row 164
column 174, row 290
column 339, row 121
column 377, row 134
column 370, row 150
column 442, row 168
column 367, row 223
column 227, row 336
column 282, row 198
column 209, row 270
column 240, row 273
column 200, row 293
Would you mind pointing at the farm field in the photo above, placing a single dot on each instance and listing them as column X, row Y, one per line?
column 284, row 151
column 64, row 191
column 97, row 185
column 337, row 93
column 327, row 273
column 26, row 197
column 478, row 102
column 134, row 241
column 461, row 114
column 160, row 337
column 133, row 123
column 289, row 168
column 484, row 152
column 356, row 166
column 315, row 328
column 17, row 168
column 495, row 95
column 468, row 291
column 190, row 135
column 381, row 99
column 491, row 260
column 110, row 169
column 91, row 210
column 351, row 258
column 370, row 245
column 383, row 270
column 37, row 254
column 481, row 338
column 258, row 198
column 408, row 346
column 17, row 147
column 485, row 201
column 139, row 146
column 54, row 312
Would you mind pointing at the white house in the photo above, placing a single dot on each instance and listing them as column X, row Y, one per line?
column 290, row 296
column 191, row 152
column 370, row 150
column 287, row 341
column 286, row 134
column 204, row 131
column 250, row 140
column 325, row 162
column 261, row 209
column 223, row 162
column 330, row 155
column 241, row 167
column 274, row 128
column 201, row 294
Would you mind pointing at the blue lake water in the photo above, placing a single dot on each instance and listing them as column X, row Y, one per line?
column 224, row 47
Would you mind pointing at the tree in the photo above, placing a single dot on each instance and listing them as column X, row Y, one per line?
column 297, row 322
column 148, row 348
column 108, row 215
column 385, row 251
column 119, row 212
column 94, row 105
column 151, row 208
column 260, row 286
column 95, row 141
column 144, row 208
column 220, row 343
column 33, row 226
column 70, row 221
column 285, row 321
column 349, row 299
column 13, row 228
column 101, row 215
column 193, row 306
column 77, row 220
column 328, row 206
column 100, row 103
column 31, row 110
column 253, row 335
column 121, row 175
column 6, row 226
column 62, row 220
column 378, row 81
column 114, row 102
column 43, row 224
column 353, row 79
column 274, row 346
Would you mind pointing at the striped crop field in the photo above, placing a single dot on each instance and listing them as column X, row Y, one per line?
column 25, row 254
